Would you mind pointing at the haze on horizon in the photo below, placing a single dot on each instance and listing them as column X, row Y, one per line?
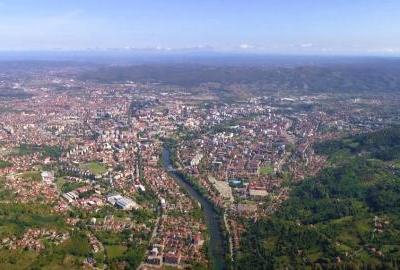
column 360, row 27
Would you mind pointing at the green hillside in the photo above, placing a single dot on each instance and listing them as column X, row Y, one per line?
column 347, row 217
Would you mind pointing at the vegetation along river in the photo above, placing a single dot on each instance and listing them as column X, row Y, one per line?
column 213, row 219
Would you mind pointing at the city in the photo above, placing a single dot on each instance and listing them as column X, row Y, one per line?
column 199, row 135
column 88, row 156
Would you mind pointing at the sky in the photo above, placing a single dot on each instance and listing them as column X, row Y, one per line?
column 256, row 26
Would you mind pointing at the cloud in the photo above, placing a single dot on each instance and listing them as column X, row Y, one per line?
column 246, row 46
column 390, row 50
column 306, row 45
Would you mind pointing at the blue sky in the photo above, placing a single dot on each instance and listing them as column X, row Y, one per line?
column 265, row 26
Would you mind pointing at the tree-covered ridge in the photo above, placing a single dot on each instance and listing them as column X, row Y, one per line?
column 348, row 217
column 383, row 144
column 369, row 76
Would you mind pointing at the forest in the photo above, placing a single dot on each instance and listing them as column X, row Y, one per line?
column 347, row 217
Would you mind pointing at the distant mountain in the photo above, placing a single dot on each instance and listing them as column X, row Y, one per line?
column 360, row 75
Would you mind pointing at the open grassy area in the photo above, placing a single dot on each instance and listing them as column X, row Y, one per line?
column 45, row 150
column 68, row 255
column 16, row 218
column 70, row 186
column 16, row 259
column 115, row 251
column 5, row 194
column 65, row 262
column 5, row 164
column 266, row 170
column 31, row 176
column 60, row 181
column 94, row 167
column 109, row 238
column 23, row 150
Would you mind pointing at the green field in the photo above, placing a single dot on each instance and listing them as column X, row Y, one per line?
column 267, row 170
column 16, row 259
column 5, row 164
column 31, row 176
column 45, row 150
column 70, row 186
column 115, row 251
column 16, row 218
column 60, row 181
column 94, row 167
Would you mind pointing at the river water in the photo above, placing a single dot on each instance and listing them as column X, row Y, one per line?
column 213, row 219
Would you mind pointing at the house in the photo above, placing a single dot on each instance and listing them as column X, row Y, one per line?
column 163, row 203
column 244, row 209
column 171, row 258
column 154, row 260
column 258, row 192
column 48, row 177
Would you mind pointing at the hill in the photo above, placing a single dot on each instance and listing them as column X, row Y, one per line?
column 347, row 217
column 370, row 75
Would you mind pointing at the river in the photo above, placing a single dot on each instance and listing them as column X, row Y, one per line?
column 213, row 219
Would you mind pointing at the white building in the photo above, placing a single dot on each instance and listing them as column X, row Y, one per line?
column 196, row 160
column 71, row 196
column 48, row 177
column 163, row 203
column 122, row 202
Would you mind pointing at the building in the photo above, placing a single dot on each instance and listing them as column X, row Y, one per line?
column 258, row 192
column 154, row 260
column 163, row 203
column 70, row 196
column 122, row 202
column 171, row 258
column 196, row 160
column 47, row 177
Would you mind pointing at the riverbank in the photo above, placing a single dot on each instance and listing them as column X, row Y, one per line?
column 217, row 247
